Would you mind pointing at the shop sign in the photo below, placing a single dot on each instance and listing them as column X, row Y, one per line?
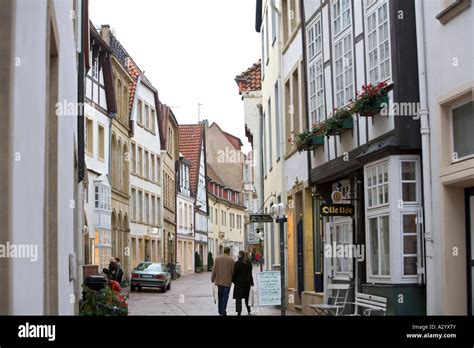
column 337, row 210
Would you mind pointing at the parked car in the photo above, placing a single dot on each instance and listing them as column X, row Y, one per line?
column 150, row 274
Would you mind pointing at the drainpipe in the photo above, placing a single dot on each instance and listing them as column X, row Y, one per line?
column 282, row 136
column 432, row 305
column 262, row 175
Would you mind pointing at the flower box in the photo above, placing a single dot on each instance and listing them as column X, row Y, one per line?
column 372, row 100
column 317, row 140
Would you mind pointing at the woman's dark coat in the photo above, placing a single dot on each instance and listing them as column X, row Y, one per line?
column 242, row 279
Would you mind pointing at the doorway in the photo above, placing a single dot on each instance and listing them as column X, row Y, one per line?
column 300, row 259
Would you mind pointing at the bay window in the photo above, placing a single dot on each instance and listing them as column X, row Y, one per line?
column 393, row 223
column 102, row 197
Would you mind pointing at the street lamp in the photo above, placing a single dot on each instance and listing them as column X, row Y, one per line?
column 279, row 212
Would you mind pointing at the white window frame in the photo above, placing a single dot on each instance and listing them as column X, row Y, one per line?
column 451, row 107
column 347, row 89
column 418, row 240
column 370, row 11
column 378, row 185
column 347, row 261
column 416, row 181
column 340, row 16
column 395, row 212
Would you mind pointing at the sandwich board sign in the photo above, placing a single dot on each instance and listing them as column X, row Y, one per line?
column 268, row 288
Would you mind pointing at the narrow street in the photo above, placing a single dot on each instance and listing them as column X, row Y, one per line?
column 189, row 295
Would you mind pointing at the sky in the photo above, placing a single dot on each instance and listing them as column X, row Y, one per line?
column 190, row 50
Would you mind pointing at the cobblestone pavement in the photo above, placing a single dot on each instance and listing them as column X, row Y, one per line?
column 189, row 295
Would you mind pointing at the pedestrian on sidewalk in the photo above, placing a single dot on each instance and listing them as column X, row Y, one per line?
column 119, row 273
column 243, row 281
column 222, row 278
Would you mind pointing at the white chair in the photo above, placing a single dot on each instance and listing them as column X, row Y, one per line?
column 337, row 298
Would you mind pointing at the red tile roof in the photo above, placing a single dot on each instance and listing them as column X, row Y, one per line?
column 251, row 79
column 190, row 140
column 134, row 72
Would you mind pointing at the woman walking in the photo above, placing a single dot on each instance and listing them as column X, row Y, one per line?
column 243, row 280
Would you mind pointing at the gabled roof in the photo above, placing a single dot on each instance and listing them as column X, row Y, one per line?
column 251, row 79
column 190, row 143
column 235, row 141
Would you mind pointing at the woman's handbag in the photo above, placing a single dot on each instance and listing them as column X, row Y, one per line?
column 214, row 293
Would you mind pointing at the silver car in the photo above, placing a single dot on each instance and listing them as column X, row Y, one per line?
column 150, row 274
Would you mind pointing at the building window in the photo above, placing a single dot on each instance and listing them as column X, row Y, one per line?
column 134, row 204
column 140, row 112
column 342, row 17
column 343, row 70
column 462, row 125
column 102, row 197
column 133, row 158
column 409, row 179
column 158, row 210
column 140, row 161
column 146, row 169
column 343, row 265
column 316, row 90
column 89, row 137
column 378, row 43
column 147, row 116
column 153, row 120
column 315, row 40
column 101, row 134
column 140, row 207
column 377, row 185
column 147, row 208
column 158, row 166
column 379, row 246
column 274, row 25
column 153, row 170
column 410, row 244
column 153, row 211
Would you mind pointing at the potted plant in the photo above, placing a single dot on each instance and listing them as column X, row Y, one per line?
column 372, row 99
column 340, row 120
column 318, row 132
column 210, row 261
column 309, row 139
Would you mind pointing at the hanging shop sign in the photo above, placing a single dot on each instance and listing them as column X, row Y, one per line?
column 337, row 210
column 255, row 218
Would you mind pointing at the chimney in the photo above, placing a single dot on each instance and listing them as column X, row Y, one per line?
column 105, row 33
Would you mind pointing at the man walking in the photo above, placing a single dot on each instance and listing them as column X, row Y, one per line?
column 222, row 277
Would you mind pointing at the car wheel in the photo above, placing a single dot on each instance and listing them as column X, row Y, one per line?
column 169, row 286
column 139, row 288
column 132, row 288
column 163, row 289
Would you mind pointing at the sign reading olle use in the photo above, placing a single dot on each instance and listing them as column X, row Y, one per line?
column 336, row 210
column 268, row 288
column 260, row 218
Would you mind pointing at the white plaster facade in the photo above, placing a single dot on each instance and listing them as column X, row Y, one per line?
column 146, row 204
